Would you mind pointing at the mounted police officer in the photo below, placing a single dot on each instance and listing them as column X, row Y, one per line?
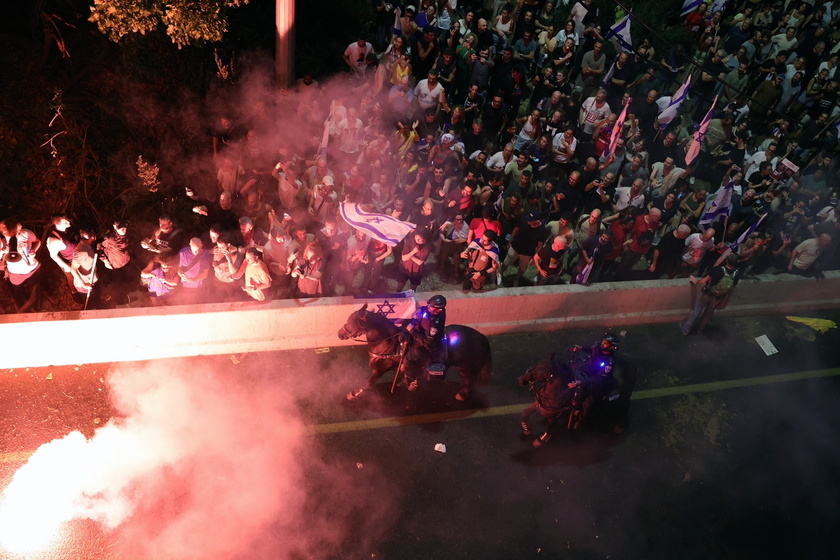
column 599, row 378
column 424, row 340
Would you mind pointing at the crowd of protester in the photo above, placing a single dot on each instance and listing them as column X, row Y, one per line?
column 498, row 136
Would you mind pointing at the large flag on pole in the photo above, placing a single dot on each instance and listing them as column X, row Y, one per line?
column 608, row 76
column 616, row 131
column 689, row 6
column 699, row 135
column 397, row 21
column 619, row 34
column 718, row 207
column 741, row 239
column 395, row 307
column 381, row 227
column 672, row 110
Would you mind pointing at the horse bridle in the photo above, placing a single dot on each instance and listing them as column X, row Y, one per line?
column 375, row 354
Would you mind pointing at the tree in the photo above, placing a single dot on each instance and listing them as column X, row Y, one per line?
column 186, row 21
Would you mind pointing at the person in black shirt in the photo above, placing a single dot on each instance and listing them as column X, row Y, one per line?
column 494, row 116
column 667, row 255
column 713, row 70
column 549, row 262
column 525, row 242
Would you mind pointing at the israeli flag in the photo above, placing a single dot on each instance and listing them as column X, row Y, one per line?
column 381, row 227
column 395, row 307
column 616, row 131
column 741, row 239
column 718, row 208
column 673, row 109
column 689, row 6
column 699, row 135
column 619, row 34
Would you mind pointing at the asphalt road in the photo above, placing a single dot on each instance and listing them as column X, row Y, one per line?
column 730, row 453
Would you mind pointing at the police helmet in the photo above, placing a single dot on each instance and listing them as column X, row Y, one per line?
column 437, row 301
column 613, row 339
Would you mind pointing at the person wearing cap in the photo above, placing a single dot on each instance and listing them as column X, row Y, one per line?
column 430, row 94
column 409, row 27
column 525, row 242
column 323, row 200
column 423, row 340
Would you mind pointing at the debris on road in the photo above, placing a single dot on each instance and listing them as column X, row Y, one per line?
column 766, row 345
column 440, row 448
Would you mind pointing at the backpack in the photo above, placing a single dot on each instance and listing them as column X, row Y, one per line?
column 723, row 289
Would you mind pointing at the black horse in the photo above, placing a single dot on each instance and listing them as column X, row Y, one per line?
column 551, row 381
column 467, row 350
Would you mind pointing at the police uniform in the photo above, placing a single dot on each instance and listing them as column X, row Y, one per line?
column 426, row 338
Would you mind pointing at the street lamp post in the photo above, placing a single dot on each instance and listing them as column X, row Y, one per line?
column 284, row 53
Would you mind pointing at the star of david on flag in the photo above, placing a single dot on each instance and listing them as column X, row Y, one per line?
column 717, row 209
column 395, row 307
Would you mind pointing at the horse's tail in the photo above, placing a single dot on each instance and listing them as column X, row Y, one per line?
column 485, row 372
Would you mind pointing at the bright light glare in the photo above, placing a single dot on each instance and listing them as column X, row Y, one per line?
column 37, row 502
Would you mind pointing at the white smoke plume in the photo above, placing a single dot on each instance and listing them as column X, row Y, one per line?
column 197, row 464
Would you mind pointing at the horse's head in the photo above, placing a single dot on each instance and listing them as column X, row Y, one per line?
column 356, row 324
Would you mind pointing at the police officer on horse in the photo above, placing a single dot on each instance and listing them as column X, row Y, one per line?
column 424, row 341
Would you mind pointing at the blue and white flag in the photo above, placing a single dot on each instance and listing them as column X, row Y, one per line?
column 381, row 227
column 689, row 6
column 741, row 239
column 395, row 307
column 608, row 76
column 672, row 110
column 718, row 6
column 619, row 34
column 397, row 21
column 699, row 135
column 718, row 207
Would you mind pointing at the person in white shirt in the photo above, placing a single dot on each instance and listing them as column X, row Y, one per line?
column 355, row 55
column 593, row 110
column 430, row 94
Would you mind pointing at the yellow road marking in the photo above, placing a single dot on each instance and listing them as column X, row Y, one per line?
column 395, row 422
column 357, row 425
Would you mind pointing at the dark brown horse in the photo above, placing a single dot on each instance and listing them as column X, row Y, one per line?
column 467, row 349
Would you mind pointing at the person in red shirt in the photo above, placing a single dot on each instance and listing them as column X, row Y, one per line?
column 487, row 221
column 640, row 241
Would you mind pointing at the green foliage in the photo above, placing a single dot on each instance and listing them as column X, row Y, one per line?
column 185, row 21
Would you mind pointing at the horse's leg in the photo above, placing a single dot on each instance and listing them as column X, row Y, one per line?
column 378, row 367
column 467, row 379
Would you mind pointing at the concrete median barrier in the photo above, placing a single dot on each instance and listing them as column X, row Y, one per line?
column 44, row 339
